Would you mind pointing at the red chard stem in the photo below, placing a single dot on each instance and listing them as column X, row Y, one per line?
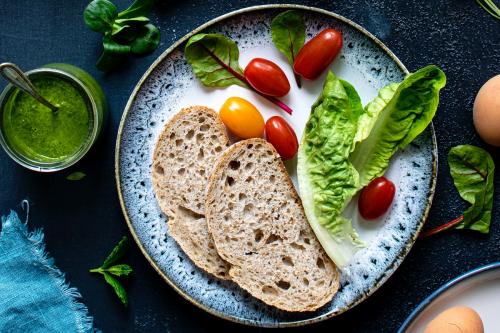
column 443, row 227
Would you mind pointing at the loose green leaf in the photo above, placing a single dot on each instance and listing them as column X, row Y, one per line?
column 472, row 170
column 138, row 8
column 147, row 40
column 327, row 180
column 490, row 7
column 120, row 24
column 404, row 114
column 99, row 15
column 214, row 59
column 120, row 270
column 119, row 290
column 111, row 46
column 117, row 253
column 78, row 175
column 288, row 32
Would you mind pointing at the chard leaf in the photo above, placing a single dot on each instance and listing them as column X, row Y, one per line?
column 214, row 59
column 117, row 253
column 327, row 180
column 402, row 118
column 472, row 170
column 119, row 290
column 137, row 8
column 78, row 175
column 146, row 40
column 99, row 15
column 288, row 32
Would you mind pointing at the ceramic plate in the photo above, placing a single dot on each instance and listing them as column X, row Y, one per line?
column 478, row 289
column 169, row 85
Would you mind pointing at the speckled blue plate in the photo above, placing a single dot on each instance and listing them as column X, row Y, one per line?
column 169, row 84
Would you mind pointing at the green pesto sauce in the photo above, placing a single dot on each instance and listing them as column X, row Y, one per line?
column 35, row 131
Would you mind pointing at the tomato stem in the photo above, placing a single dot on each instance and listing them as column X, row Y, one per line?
column 240, row 77
column 443, row 227
column 297, row 79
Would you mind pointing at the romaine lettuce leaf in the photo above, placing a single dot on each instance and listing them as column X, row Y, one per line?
column 327, row 179
column 402, row 118
column 344, row 147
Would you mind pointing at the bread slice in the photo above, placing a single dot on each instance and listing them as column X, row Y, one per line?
column 258, row 225
column 184, row 157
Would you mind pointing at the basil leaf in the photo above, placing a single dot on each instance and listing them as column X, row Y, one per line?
column 119, row 270
column 76, row 176
column 147, row 40
column 214, row 59
column 99, row 15
column 117, row 253
column 137, row 8
column 288, row 32
column 472, row 170
column 119, row 290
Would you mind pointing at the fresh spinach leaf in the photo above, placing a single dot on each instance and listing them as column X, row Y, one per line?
column 117, row 253
column 214, row 59
column 288, row 32
column 78, row 175
column 119, row 290
column 113, row 47
column 99, row 15
column 472, row 170
column 138, row 8
column 146, row 41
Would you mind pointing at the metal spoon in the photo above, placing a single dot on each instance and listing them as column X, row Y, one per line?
column 16, row 76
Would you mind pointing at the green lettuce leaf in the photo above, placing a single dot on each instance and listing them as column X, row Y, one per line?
column 214, row 59
column 344, row 147
column 327, row 179
column 402, row 118
column 472, row 170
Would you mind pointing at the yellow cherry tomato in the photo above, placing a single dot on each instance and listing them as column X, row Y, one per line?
column 242, row 118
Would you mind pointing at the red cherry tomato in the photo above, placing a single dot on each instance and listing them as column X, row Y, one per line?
column 266, row 77
column 317, row 54
column 376, row 198
column 282, row 137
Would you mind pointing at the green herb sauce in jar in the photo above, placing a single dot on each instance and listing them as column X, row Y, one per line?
column 36, row 131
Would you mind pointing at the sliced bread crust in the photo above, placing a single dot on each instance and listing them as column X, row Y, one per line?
column 258, row 225
column 183, row 159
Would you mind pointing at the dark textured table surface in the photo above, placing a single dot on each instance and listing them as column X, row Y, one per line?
column 82, row 220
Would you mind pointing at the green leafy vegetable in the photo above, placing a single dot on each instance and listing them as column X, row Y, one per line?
column 108, row 268
column 403, row 115
column 118, row 288
column 490, row 7
column 344, row 147
column 289, row 32
column 126, row 32
column 117, row 253
column 472, row 170
column 99, row 15
column 76, row 176
column 214, row 59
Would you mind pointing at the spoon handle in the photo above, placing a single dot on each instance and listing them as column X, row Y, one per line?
column 16, row 76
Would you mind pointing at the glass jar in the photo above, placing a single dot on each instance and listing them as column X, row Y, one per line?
column 81, row 84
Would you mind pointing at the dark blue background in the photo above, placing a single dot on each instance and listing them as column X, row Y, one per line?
column 82, row 220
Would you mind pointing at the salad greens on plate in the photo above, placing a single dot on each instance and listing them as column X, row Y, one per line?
column 345, row 146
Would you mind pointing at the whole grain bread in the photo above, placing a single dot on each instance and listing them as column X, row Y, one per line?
column 184, row 158
column 258, row 225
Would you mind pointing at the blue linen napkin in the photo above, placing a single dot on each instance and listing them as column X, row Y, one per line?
column 34, row 296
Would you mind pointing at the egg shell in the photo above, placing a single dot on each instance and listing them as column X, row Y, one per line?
column 459, row 319
column 487, row 111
